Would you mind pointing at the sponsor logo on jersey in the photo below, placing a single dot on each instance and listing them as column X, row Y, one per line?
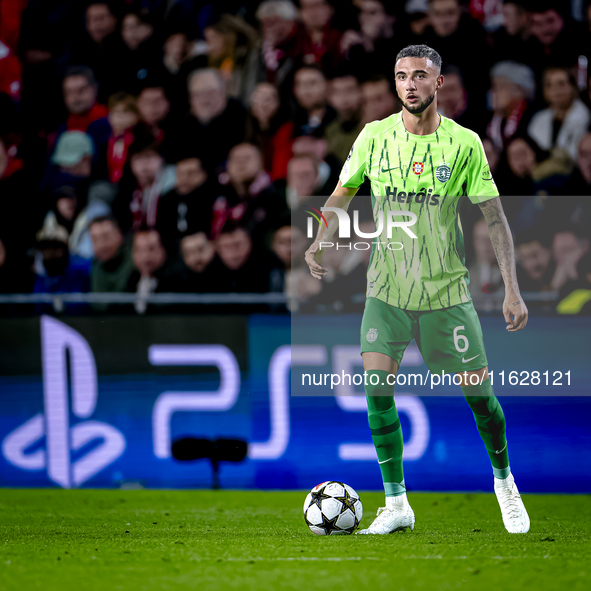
column 443, row 172
column 350, row 154
column 422, row 196
column 486, row 175
column 417, row 167
column 371, row 335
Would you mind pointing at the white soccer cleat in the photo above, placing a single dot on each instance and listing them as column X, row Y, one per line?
column 388, row 521
column 515, row 516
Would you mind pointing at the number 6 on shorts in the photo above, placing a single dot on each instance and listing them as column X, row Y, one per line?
column 458, row 338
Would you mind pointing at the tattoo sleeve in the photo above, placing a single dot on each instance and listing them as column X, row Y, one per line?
column 502, row 241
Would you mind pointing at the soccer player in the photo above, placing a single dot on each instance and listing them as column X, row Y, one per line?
column 420, row 164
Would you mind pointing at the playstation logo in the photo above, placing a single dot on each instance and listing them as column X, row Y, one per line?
column 62, row 440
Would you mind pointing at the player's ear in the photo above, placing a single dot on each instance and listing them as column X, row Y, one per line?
column 439, row 82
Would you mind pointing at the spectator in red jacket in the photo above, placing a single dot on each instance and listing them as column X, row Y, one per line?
column 319, row 38
column 248, row 195
column 269, row 129
column 123, row 117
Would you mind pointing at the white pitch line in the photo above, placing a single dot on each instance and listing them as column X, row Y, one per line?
column 359, row 558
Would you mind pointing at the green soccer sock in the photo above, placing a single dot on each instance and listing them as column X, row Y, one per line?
column 491, row 425
column 386, row 432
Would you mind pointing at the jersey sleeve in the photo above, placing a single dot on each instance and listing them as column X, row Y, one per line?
column 353, row 170
column 481, row 185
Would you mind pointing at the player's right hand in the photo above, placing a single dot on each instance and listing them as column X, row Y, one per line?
column 313, row 257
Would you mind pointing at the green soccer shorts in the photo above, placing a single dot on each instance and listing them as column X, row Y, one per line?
column 450, row 339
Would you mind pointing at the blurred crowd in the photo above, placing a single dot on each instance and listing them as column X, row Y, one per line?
column 171, row 145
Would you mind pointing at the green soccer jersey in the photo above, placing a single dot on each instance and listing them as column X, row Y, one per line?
column 420, row 179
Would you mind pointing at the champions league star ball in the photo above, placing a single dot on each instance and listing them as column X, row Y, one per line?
column 332, row 509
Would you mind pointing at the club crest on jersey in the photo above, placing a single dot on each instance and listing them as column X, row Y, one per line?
column 417, row 167
column 372, row 335
column 443, row 172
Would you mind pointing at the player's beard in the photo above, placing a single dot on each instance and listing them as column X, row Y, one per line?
column 420, row 108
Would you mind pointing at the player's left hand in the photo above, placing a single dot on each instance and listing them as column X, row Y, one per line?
column 515, row 312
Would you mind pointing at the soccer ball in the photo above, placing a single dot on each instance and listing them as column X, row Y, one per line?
column 332, row 509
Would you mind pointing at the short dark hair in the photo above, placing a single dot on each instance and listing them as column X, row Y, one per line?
column 421, row 51
column 100, row 219
column 453, row 70
column 377, row 79
column 81, row 71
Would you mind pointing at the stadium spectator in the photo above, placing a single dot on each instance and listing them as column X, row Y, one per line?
column 378, row 99
column 344, row 96
column 329, row 167
column 246, row 267
column 417, row 19
column 175, row 51
column 535, row 267
column 280, row 51
column 71, row 164
column 566, row 120
column 319, row 40
column 135, row 30
column 555, row 39
column 281, row 244
column 217, row 121
column 187, row 209
column 201, row 265
column 80, row 90
column 97, row 47
column 153, row 272
column 111, row 264
column 57, row 270
column 269, row 128
column 123, row 117
column 136, row 205
column 313, row 113
column 567, row 250
column 248, row 196
column 516, row 176
column 302, row 179
column 509, row 40
column 513, row 86
column 140, row 56
column 73, row 154
column 452, row 101
column 580, row 181
column 451, row 32
column 154, row 108
column 372, row 49
column 232, row 49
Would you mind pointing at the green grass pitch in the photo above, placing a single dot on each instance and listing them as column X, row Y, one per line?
column 175, row 540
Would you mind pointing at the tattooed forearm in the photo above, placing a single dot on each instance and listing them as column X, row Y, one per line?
column 502, row 241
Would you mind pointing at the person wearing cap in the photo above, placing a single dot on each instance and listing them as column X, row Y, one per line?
column 57, row 270
column 73, row 154
column 513, row 87
column 281, row 50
